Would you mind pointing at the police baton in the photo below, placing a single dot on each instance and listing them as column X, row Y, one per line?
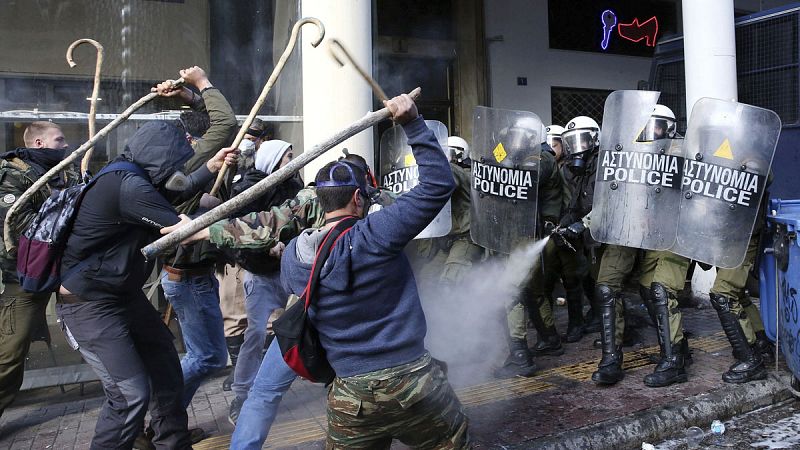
column 224, row 210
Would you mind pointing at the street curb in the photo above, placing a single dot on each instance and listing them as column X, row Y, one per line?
column 657, row 423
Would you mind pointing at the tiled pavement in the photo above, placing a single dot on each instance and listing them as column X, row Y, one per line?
column 502, row 412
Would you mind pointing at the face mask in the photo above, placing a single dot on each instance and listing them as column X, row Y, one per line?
column 247, row 146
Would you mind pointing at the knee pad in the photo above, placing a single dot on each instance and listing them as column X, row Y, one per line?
column 720, row 303
column 605, row 295
column 660, row 294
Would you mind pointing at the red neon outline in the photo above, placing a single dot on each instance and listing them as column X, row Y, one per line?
column 648, row 41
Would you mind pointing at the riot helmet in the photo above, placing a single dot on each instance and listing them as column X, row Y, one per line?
column 661, row 125
column 459, row 149
column 581, row 140
column 553, row 133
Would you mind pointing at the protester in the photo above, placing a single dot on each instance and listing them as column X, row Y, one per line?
column 20, row 311
column 105, row 314
column 188, row 277
column 262, row 287
column 367, row 309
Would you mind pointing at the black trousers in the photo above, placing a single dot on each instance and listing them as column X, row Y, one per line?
column 131, row 351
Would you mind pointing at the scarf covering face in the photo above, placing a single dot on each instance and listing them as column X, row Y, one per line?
column 42, row 158
column 269, row 155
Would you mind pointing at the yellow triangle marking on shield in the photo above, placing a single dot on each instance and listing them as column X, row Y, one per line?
column 724, row 150
column 409, row 160
column 499, row 152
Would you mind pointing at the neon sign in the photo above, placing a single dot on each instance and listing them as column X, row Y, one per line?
column 635, row 31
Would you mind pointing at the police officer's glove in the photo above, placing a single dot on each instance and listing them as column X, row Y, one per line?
column 573, row 232
column 549, row 227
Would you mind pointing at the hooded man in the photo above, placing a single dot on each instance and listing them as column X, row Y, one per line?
column 101, row 305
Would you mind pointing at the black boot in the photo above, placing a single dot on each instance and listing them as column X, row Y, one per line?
column 647, row 298
column 764, row 346
column 548, row 342
column 519, row 362
column 575, row 314
column 609, row 371
column 234, row 343
column 670, row 369
column 749, row 366
column 592, row 321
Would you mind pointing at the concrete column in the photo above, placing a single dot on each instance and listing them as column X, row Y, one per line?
column 335, row 96
column 709, row 49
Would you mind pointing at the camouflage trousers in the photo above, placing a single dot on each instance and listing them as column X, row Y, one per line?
column 413, row 403
column 669, row 270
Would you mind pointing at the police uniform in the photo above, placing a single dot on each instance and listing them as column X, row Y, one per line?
column 448, row 259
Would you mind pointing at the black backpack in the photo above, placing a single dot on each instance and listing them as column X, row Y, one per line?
column 43, row 242
column 297, row 337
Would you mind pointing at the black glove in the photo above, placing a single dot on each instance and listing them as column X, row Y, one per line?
column 549, row 227
column 573, row 232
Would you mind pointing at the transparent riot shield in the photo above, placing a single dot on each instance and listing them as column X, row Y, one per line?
column 728, row 153
column 399, row 172
column 505, row 153
column 637, row 189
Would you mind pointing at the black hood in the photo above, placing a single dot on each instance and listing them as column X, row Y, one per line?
column 160, row 148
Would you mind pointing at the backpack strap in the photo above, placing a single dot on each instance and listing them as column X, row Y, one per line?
column 342, row 226
column 122, row 165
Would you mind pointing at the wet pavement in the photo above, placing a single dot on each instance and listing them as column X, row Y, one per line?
column 503, row 413
column 773, row 427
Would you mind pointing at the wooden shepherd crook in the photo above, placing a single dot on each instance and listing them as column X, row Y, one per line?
column 95, row 91
column 246, row 197
column 7, row 238
column 334, row 44
column 270, row 82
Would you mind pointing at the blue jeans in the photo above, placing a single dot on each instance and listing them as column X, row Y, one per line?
column 259, row 410
column 262, row 294
column 196, row 303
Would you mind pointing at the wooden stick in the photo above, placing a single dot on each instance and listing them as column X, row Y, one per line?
column 376, row 88
column 7, row 239
column 95, row 92
column 243, row 199
column 270, row 82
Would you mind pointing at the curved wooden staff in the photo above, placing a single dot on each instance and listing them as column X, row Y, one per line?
column 334, row 44
column 7, row 239
column 247, row 196
column 270, row 82
column 95, row 91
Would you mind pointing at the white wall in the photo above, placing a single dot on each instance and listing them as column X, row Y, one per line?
column 525, row 52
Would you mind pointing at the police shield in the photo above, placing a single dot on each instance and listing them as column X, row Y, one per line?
column 505, row 157
column 399, row 172
column 637, row 189
column 728, row 152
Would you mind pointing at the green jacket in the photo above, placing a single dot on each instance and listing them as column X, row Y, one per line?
column 551, row 189
column 16, row 176
column 219, row 134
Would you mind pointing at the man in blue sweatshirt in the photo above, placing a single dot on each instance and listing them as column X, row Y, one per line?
column 368, row 311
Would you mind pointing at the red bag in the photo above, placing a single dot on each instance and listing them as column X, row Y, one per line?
column 297, row 337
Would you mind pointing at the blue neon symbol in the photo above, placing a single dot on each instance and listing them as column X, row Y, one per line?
column 609, row 20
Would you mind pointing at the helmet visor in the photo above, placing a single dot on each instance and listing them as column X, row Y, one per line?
column 658, row 128
column 577, row 141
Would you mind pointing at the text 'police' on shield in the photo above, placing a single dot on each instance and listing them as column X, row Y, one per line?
column 503, row 182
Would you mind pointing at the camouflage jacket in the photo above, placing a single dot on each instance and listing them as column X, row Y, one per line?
column 16, row 176
column 262, row 230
